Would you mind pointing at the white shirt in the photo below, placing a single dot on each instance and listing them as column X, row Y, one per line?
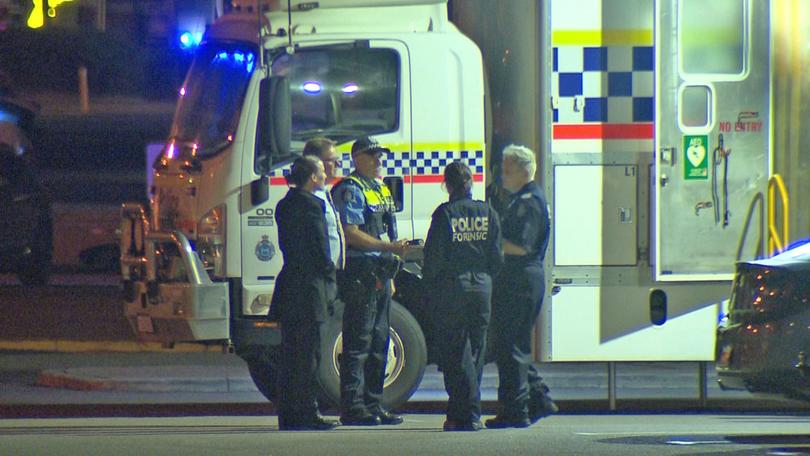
column 332, row 228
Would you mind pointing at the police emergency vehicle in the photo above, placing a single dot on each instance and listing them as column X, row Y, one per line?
column 202, row 262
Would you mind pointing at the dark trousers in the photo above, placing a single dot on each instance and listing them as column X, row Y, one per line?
column 538, row 390
column 300, row 344
column 517, row 298
column 366, row 321
column 462, row 311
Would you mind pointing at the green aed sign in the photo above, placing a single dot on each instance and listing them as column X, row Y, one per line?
column 696, row 157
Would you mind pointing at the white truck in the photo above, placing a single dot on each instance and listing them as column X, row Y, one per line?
column 624, row 101
column 200, row 264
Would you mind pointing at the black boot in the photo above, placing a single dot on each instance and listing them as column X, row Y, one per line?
column 318, row 423
column 541, row 407
column 505, row 421
column 464, row 426
column 359, row 419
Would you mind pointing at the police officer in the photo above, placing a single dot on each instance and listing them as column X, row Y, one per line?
column 365, row 286
column 518, row 293
column 462, row 254
column 540, row 403
column 305, row 288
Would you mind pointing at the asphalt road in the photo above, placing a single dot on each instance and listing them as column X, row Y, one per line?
column 611, row 434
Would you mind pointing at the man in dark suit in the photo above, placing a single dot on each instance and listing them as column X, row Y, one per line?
column 305, row 288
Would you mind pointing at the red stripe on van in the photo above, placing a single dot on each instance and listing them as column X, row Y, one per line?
column 604, row 131
column 435, row 179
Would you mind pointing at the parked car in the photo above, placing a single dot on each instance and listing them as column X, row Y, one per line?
column 763, row 344
column 26, row 234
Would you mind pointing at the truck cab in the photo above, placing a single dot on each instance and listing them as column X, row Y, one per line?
column 200, row 263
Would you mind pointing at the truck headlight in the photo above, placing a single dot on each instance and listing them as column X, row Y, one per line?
column 211, row 240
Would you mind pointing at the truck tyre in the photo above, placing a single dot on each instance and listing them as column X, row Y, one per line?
column 407, row 357
column 262, row 362
column 34, row 268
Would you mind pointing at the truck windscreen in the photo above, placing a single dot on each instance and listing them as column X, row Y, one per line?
column 211, row 98
column 341, row 92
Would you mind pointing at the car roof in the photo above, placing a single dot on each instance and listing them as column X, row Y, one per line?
column 795, row 257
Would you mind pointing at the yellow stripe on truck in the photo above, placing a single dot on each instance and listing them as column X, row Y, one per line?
column 629, row 37
column 419, row 147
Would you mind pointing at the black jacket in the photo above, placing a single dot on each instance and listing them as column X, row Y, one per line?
column 526, row 223
column 306, row 284
column 464, row 236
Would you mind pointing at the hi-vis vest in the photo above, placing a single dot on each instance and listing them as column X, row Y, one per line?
column 379, row 210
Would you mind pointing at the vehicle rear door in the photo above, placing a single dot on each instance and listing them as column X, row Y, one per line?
column 712, row 134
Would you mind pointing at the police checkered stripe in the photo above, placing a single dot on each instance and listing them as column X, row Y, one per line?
column 614, row 82
column 411, row 163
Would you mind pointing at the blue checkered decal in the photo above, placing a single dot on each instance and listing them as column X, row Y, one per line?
column 408, row 163
column 616, row 83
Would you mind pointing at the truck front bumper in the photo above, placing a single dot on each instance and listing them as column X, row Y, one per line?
column 168, row 296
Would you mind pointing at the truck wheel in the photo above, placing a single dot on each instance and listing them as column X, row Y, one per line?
column 261, row 362
column 34, row 268
column 407, row 356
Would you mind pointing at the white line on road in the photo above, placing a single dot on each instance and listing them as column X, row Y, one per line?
column 645, row 433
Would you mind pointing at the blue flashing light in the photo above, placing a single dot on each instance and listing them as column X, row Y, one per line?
column 237, row 59
column 6, row 116
column 185, row 39
column 350, row 88
column 312, row 87
column 190, row 40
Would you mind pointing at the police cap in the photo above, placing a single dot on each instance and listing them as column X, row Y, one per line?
column 366, row 145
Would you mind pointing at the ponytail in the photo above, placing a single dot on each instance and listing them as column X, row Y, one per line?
column 458, row 178
column 303, row 168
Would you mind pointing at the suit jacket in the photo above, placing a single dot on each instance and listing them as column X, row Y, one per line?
column 306, row 284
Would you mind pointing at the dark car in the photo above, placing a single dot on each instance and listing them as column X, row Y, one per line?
column 26, row 235
column 763, row 344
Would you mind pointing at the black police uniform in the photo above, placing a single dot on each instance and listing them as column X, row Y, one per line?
column 364, row 287
column 540, row 403
column 462, row 254
column 517, row 298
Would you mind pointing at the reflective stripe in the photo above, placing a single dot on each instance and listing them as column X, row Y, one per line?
column 605, row 37
column 374, row 198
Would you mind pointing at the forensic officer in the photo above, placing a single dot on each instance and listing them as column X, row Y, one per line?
column 365, row 286
column 306, row 286
column 462, row 254
column 518, row 293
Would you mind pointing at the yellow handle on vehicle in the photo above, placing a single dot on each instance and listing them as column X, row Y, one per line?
column 777, row 243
